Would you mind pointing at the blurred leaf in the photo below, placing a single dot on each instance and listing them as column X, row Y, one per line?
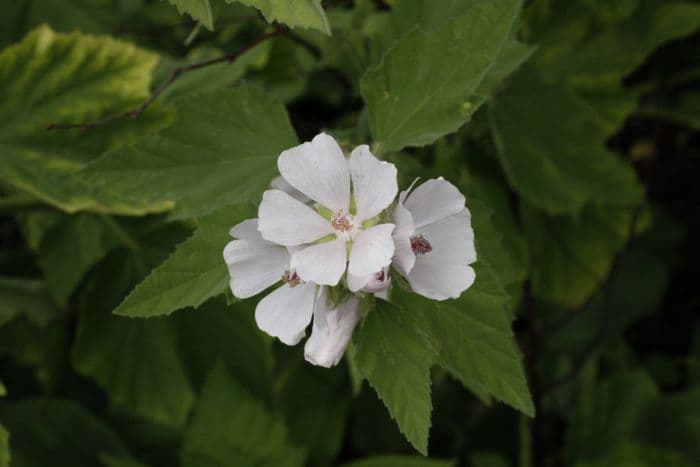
column 631, row 454
column 230, row 427
column 56, row 432
column 199, row 10
column 227, row 333
column 195, row 272
column 315, row 402
column 557, row 159
column 572, row 256
column 25, row 297
column 428, row 82
column 38, row 86
column 298, row 13
column 135, row 361
column 235, row 154
column 70, row 248
column 399, row 461
column 484, row 459
column 111, row 461
column 395, row 354
column 4, row 447
column 611, row 416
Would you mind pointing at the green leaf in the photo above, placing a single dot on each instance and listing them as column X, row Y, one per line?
column 572, row 256
column 235, row 153
column 399, row 461
column 136, row 361
column 428, row 82
column 295, row 13
column 394, row 354
column 25, row 297
column 55, row 78
column 230, row 427
column 219, row 332
column 56, row 432
column 4, row 447
column 111, row 461
column 195, row 272
column 557, row 159
column 630, row 454
column 71, row 247
column 199, row 10
column 476, row 344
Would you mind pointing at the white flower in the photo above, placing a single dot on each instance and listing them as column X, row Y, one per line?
column 434, row 240
column 319, row 170
column 255, row 264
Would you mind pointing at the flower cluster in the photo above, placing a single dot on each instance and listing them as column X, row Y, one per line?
column 332, row 224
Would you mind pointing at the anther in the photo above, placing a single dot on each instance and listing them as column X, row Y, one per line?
column 420, row 245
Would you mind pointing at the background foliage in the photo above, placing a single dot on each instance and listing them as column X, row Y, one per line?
column 135, row 133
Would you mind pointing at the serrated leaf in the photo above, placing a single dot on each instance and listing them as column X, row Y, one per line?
column 399, row 461
column 57, row 432
column 135, row 361
column 230, row 427
column 201, row 164
column 194, row 273
column 428, row 82
column 293, row 13
column 395, row 355
column 70, row 248
column 572, row 256
column 557, row 159
column 199, row 10
column 476, row 344
column 57, row 78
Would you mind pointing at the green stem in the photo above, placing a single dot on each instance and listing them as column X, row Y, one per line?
column 524, row 442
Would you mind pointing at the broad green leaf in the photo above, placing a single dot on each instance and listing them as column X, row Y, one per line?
column 610, row 417
column 70, row 248
column 195, row 272
column 395, row 354
column 557, row 159
column 315, row 403
column 136, row 361
column 25, row 297
column 475, row 343
column 4, row 447
column 56, row 78
column 428, row 82
column 216, row 332
column 630, row 454
column 56, row 432
column 399, row 461
column 200, row 164
column 293, row 13
column 199, row 10
column 572, row 256
column 231, row 427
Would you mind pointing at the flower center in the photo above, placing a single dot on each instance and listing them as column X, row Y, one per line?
column 380, row 276
column 420, row 245
column 291, row 278
column 341, row 221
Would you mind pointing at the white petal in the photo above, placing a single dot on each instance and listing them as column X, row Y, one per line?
column 451, row 238
column 323, row 264
column 254, row 265
column 372, row 250
column 439, row 281
column 279, row 183
column 246, row 230
column 444, row 272
column 373, row 183
column 404, row 257
column 356, row 283
column 378, row 282
column 332, row 331
column 286, row 312
column 286, row 221
column 434, row 200
column 319, row 170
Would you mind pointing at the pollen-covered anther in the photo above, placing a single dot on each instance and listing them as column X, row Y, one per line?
column 340, row 221
column 291, row 278
column 380, row 276
column 420, row 245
